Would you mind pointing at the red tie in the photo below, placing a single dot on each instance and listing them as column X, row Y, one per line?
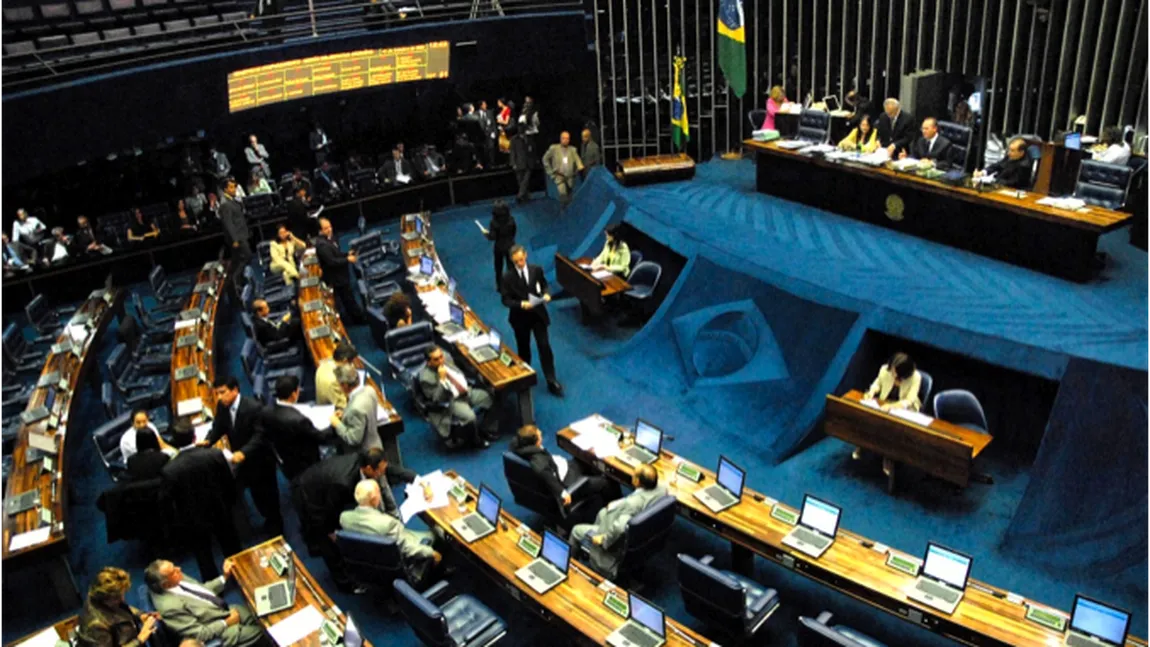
column 458, row 387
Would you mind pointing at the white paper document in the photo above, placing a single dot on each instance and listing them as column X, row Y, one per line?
column 382, row 413
column 414, row 501
column 905, row 164
column 1063, row 203
column 593, row 437
column 481, row 227
column 476, row 342
column 535, row 301
column 319, row 414
column 869, row 402
column 30, row 538
column 186, row 323
column 590, row 425
column 296, row 627
column 188, row 407
column 913, row 416
column 202, row 431
column 46, row 638
column 601, row 274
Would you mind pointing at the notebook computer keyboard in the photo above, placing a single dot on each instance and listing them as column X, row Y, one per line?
column 635, row 635
column 277, row 596
column 477, row 524
column 544, row 573
column 722, row 497
column 937, row 590
column 811, row 538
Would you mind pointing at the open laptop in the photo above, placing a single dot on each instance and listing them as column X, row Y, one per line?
column 480, row 523
column 451, row 286
column 832, row 103
column 487, row 353
column 648, row 442
column 818, row 524
column 645, row 626
column 22, row 502
column 455, row 325
column 351, row 635
column 1094, row 624
column 728, row 489
column 550, row 568
column 942, row 582
column 277, row 596
column 417, row 232
column 43, row 411
column 1073, row 141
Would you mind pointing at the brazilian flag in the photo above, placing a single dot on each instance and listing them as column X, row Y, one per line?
column 733, row 45
column 680, row 129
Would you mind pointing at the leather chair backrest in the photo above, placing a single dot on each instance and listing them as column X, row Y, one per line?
column 813, row 633
column 107, row 436
column 709, row 594
column 128, row 332
column 960, row 407
column 814, row 125
column 156, row 278
column 108, row 399
column 1101, row 195
column 409, row 339
column 36, row 308
column 249, row 357
column 527, row 488
column 636, row 258
column 246, row 322
column 13, row 340
column 116, row 362
column 424, row 617
column 647, row 531
column 372, row 555
column 646, row 273
column 959, row 137
column 1103, row 184
column 366, row 243
column 926, row 383
column 757, row 117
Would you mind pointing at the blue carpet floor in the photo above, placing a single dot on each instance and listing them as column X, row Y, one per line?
column 816, row 278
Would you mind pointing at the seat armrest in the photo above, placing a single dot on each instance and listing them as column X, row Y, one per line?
column 706, row 560
column 824, row 617
column 479, row 629
column 436, row 590
column 277, row 346
column 768, row 599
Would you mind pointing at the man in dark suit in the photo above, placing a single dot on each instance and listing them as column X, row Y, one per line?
column 231, row 214
column 524, row 292
column 272, row 331
column 490, row 133
column 931, row 146
column 299, row 217
column 335, row 265
column 295, row 438
column 324, row 490
column 204, row 492
column 895, row 128
column 319, row 143
column 397, row 171
column 557, row 472
column 241, row 420
column 85, row 240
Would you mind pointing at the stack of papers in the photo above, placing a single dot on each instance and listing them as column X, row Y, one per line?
column 30, row 538
column 382, row 413
column 186, row 323
column 297, row 626
column 792, row 144
column 202, row 431
column 989, row 178
column 414, row 502
column 818, row 148
column 601, row 274
column 319, row 414
column 869, row 402
column 476, row 342
column 46, row 638
column 436, row 302
column 912, row 416
column 188, row 407
column 905, row 164
column 1071, row 204
column 594, row 437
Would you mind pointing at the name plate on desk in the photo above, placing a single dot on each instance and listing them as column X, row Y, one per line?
column 187, row 372
column 310, row 259
column 278, row 563
column 202, row 287
column 617, row 604
column 187, row 340
column 789, row 517
column 191, row 313
column 311, row 306
column 1046, row 618
column 316, row 333
column 528, row 545
column 505, row 358
column 309, row 282
column 689, row 472
column 903, row 564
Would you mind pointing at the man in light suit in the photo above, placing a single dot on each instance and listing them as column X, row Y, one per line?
column 521, row 282
column 562, row 163
column 368, row 518
column 356, row 425
column 611, row 522
column 195, row 610
column 452, row 401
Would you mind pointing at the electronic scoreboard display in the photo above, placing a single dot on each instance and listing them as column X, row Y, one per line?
column 316, row 75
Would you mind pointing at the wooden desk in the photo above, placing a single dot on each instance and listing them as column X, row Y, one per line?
column 591, row 292
column 249, row 576
column 51, row 556
column 63, row 629
column 848, row 566
column 518, row 377
column 204, row 360
column 940, row 449
column 578, row 602
column 988, row 222
column 323, row 348
column 656, row 168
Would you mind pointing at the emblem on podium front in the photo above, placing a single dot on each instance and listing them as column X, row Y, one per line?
column 895, row 207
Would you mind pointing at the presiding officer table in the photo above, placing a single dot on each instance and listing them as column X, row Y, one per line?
column 992, row 222
column 49, row 554
column 577, row 602
column 848, row 566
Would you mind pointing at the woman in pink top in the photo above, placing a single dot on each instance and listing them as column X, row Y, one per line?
column 775, row 101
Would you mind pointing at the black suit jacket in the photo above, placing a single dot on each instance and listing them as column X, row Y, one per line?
column 202, row 486
column 502, row 233
column 81, row 240
column 324, row 490
column 544, row 467
column 299, row 220
column 247, row 434
column 333, row 262
column 315, row 139
column 268, row 333
column 146, row 464
column 921, row 149
column 295, row 438
column 390, row 170
column 235, row 225
column 904, row 131
column 515, row 291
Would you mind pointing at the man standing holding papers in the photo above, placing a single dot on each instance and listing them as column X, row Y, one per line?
column 524, row 291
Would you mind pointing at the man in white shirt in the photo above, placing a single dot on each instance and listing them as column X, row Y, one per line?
column 452, row 402
column 1112, row 149
column 27, row 229
column 194, row 610
column 140, row 422
column 57, row 249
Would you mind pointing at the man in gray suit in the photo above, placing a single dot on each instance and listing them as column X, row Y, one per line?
column 357, row 425
column 611, row 522
column 368, row 518
column 195, row 610
column 452, row 401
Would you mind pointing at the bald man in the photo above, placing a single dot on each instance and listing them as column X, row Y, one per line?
column 270, row 331
column 931, row 146
column 336, row 266
column 561, row 162
column 589, row 151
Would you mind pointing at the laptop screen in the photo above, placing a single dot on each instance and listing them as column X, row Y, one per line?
column 832, row 102
column 418, row 225
column 291, row 575
column 351, row 635
column 1099, row 620
column 555, row 550
column 495, row 339
column 646, row 614
column 488, row 506
column 648, row 436
column 946, row 565
column 456, row 313
column 730, row 476
column 426, row 265
column 451, row 285
column 820, row 515
column 1073, row 141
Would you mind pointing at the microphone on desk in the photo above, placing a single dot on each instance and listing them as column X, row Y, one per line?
column 668, row 438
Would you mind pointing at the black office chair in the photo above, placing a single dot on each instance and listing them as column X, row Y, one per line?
column 724, row 599
column 1103, row 184
column 814, row 126
column 959, row 137
column 646, row 534
column 106, row 437
column 406, row 349
column 18, row 354
column 818, row 632
column 461, row 621
column 371, row 560
column 756, row 117
column 530, row 491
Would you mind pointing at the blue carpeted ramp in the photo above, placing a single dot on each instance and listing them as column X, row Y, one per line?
column 1085, row 507
column 728, row 347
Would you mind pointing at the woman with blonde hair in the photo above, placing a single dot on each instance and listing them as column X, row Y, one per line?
column 775, row 100
column 107, row 620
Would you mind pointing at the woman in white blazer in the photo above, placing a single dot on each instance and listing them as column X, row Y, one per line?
column 896, row 387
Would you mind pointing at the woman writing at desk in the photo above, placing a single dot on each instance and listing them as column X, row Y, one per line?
column 616, row 256
column 863, row 139
column 899, row 372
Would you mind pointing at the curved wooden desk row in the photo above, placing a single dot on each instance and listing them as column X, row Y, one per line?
column 323, row 347
column 62, row 631
column 518, row 376
column 577, row 602
column 205, row 298
column 47, row 475
column 849, row 566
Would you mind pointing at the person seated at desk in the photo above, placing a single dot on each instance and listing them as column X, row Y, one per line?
column 140, row 422
column 616, row 256
column 368, row 517
column 17, row 256
column 195, row 610
column 863, row 138
column 270, row 331
column 149, row 460
column 775, row 100
column 107, row 620
column 142, row 228
column 397, row 170
column 1013, row 170
column 611, row 522
column 397, row 311
column 453, row 402
column 286, row 250
column 899, row 372
column 1111, row 148
column 258, row 184
column 556, row 472
column 931, row 146
column 56, row 249
column 187, row 222
column 327, row 389
column 895, row 128
column 85, row 241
